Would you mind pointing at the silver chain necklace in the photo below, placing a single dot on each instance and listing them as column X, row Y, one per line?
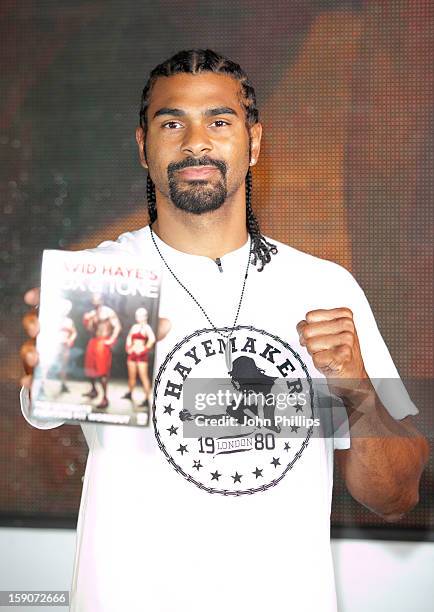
column 227, row 337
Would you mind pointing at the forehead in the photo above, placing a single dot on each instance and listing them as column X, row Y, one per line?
column 195, row 92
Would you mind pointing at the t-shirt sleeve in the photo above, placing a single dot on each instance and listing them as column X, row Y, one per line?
column 378, row 364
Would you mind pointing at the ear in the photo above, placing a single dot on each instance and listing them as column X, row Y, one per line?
column 255, row 135
column 140, row 139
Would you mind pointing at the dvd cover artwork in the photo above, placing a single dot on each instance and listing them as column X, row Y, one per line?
column 98, row 324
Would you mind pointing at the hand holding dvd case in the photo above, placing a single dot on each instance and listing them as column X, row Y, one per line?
column 98, row 327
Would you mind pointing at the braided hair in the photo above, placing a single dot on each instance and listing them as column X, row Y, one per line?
column 196, row 61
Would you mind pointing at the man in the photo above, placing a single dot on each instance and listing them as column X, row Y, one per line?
column 104, row 326
column 162, row 517
column 68, row 333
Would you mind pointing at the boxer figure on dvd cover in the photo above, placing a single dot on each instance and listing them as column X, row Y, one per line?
column 139, row 342
column 66, row 339
column 68, row 335
column 103, row 324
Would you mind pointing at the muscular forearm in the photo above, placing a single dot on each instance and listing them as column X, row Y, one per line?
column 384, row 465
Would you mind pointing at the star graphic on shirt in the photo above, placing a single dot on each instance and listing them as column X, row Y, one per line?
column 257, row 472
column 197, row 465
column 287, row 447
column 298, row 408
column 182, row 449
column 172, row 430
column 215, row 475
column 275, row 461
column 168, row 410
column 237, row 477
column 295, row 428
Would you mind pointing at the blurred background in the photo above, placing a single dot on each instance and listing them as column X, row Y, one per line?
column 345, row 94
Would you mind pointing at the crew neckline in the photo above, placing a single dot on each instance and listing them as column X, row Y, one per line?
column 236, row 253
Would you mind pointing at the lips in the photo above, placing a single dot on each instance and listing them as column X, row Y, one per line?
column 198, row 172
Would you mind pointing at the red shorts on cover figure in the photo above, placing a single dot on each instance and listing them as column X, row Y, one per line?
column 98, row 358
column 139, row 357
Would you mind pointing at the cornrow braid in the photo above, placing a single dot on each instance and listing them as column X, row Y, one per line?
column 195, row 61
column 152, row 201
column 261, row 248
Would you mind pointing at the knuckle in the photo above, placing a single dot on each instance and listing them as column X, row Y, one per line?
column 30, row 323
column 300, row 326
column 347, row 312
column 311, row 316
column 346, row 324
column 306, row 332
column 26, row 348
column 348, row 338
column 309, row 343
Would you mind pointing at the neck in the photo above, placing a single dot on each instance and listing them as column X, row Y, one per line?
column 211, row 235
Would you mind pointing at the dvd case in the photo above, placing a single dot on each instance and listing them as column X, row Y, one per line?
column 98, row 325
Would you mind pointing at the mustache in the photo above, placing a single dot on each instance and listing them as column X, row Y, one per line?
column 192, row 162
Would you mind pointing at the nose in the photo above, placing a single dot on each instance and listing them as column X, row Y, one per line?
column 196, row 141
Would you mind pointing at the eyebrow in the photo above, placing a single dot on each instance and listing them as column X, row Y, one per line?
column 210, row 112
column 220, row 110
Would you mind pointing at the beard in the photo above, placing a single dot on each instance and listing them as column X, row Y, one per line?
column 197, row 196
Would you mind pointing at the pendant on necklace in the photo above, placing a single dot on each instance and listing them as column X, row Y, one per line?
column 228, row 355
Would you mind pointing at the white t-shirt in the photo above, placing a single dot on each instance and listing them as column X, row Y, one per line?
column 162, row 529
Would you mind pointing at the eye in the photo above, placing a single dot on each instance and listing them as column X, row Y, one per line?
column 170, row 124
column 220, row 121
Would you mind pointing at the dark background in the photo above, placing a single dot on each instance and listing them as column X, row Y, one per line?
column 345, row 92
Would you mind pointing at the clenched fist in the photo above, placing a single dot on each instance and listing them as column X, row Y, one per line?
column 331, row 339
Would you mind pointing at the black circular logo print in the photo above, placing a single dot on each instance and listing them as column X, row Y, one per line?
column 208, row 426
